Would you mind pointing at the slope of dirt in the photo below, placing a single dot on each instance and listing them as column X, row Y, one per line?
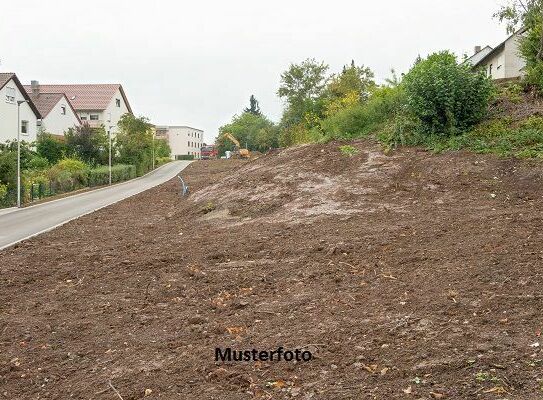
column 408, row 276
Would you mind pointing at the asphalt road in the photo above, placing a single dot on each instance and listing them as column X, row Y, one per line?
column 31, row 221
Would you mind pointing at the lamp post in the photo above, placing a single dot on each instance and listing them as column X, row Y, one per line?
column 153, row 147
column 109, row 134
column 19, row 102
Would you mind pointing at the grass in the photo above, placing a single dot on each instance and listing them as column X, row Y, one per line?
column 348, row 150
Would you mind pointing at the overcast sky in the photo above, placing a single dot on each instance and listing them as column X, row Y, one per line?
column 196, row 63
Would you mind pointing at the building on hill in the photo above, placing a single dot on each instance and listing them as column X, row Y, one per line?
column 183, row 140
column 503, row 61
column 57, row 113
column 95, row 104
column 11, row 93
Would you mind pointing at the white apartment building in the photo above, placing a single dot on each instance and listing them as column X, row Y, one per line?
column 183, row 140
column 11, row 92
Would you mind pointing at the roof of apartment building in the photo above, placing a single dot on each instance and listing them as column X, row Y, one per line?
column 45, row 102
column 177, row 126
column 93, row 97
column 5, row 77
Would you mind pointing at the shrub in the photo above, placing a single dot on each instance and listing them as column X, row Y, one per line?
column 445, row 96
column 162, row 160
column 38, row 163
column 119, row 173
column 184, row 157
column 50, row 148
column 77, row 169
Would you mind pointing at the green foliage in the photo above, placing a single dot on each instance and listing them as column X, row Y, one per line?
column 302, row 87
column 51, row 148
column 162, row 160
column 135, row 142
column 253, row 108
column 184, row 157
column 348, row 150
column 119, row 173
column 88, row 144
column 254, row 131
column 362, row 119
column 38, row 163
column 445, row 96
column 77, row 169
column 162, row 149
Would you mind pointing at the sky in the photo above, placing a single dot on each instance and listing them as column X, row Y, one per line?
column 197, row 63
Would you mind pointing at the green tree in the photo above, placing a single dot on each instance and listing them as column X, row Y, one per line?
column 162, row 148
column 253, row 108
column 349, row 88
column 135, row 142
column 445, row 96
column 51, row 148
column 302, row 87
column 254, row 131
column 88, row 144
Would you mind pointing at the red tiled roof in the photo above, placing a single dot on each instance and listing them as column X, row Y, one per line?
column 45, row 102
column 5, row 77
column 85, row 97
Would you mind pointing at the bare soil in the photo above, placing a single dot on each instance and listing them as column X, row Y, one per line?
column 408, row 276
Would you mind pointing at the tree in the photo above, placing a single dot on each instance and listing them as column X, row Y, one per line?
column 254, row 131
column 88, row 144
column 302, row 87
column 253, row 108
column 135, row 142
column 351, row 87
column 445, row 96
column 527, row 14
column 51, row 148
column 162, row 148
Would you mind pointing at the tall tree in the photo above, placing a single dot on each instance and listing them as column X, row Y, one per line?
column 302, row 87
column 135, row 142
column 88, row 144
column 254, row 107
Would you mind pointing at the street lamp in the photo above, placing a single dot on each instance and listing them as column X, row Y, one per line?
column 19, row 102
column 109, row 132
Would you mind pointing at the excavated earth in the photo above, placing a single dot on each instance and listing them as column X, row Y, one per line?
column 407, row 276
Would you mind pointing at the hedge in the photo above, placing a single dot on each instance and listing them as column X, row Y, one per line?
column 120, row 172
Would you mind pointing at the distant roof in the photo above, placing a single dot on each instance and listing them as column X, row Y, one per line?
column 45, row 102
column 5, row 77
column 86, row 97
column 477, row 57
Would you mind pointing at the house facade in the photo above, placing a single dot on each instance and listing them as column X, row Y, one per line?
column 502, row 62
column 11, row 92
column 57, row 113
column 95, row 104
column 183, row 140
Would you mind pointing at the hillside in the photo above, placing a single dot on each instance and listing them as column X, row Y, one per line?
column 407, row 275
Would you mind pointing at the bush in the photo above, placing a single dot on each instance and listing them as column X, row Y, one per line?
column 77, row 169
column 445, row 96
column 360, row 120
column 184, row 157
column 38, row 163
column 50, row 148
column 162, row 160
column 119, row 173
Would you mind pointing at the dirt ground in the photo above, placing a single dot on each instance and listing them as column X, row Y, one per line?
column 407, row 276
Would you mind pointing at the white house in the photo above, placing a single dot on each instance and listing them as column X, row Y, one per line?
column 183, row 140
column 11, row 93
column 96, row 104
column 503, row 61
column 57, row 113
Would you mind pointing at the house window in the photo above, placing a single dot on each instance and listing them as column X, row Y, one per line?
column 83, row 117
column 118, row 102
column 490, row 70
column 94, row 117
column 63, row 110
column 188, row 144
column 24, row 127
column 10, row 95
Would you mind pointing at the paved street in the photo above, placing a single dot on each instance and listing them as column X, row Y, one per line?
column 30, row 221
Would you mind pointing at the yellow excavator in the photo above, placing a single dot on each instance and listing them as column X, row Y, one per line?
column 238, row 151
